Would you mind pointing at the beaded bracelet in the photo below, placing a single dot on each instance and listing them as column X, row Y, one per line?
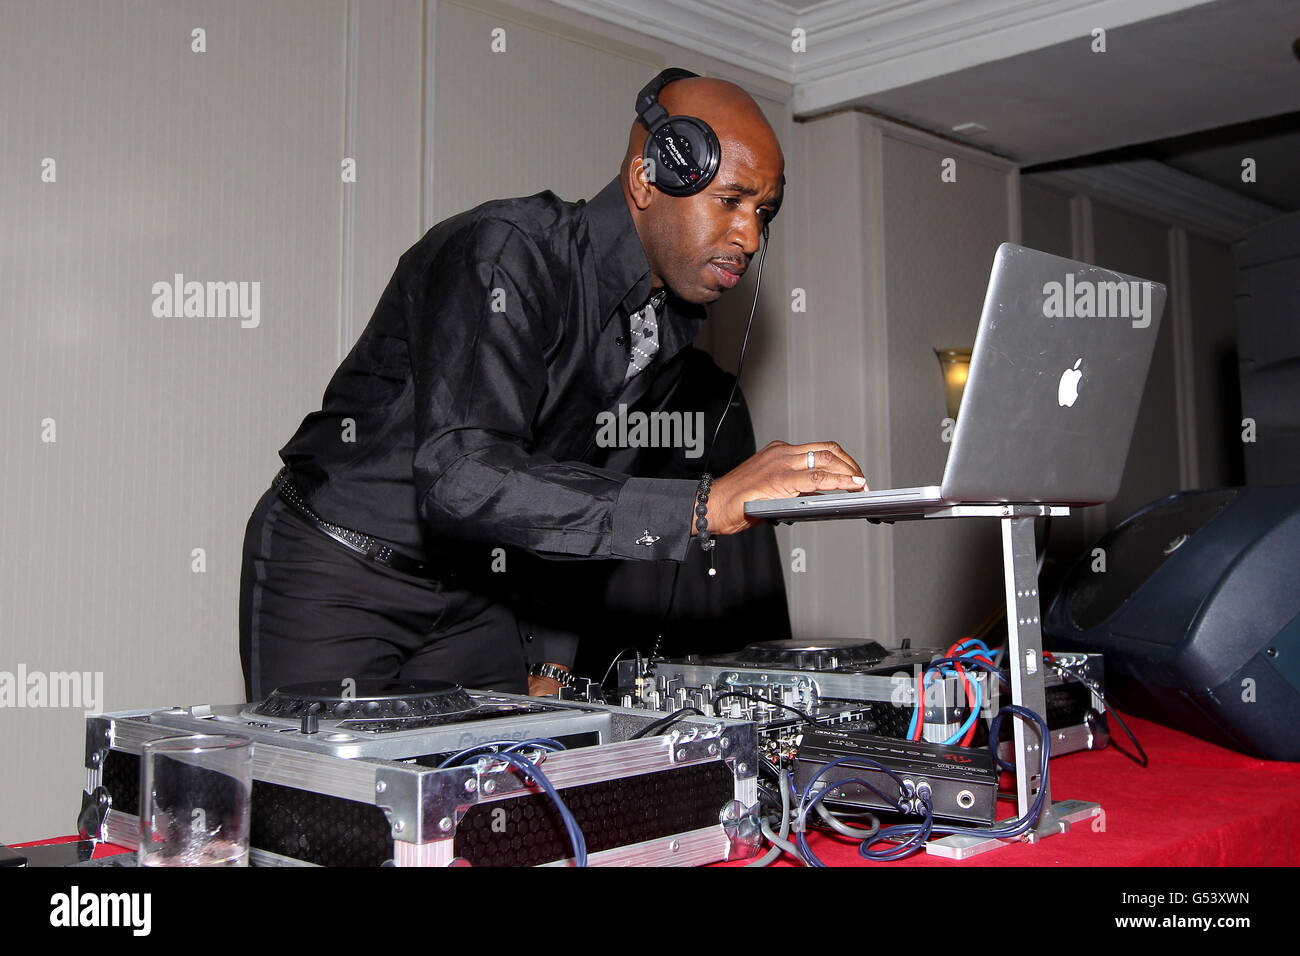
column 701, row 514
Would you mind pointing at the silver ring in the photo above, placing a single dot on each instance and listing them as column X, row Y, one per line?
column 812, row 460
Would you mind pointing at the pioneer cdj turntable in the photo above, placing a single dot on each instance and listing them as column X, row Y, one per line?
column 423, row 721
column 369, row 773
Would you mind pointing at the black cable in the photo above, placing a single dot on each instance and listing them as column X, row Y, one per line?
column 740, row 363
column 657, row 649
column 1142, row 761
column 672, row 718
column 708, row 455
column 609, row 670
column 763, row 700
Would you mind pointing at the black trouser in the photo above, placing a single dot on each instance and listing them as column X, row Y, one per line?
column 311, row 610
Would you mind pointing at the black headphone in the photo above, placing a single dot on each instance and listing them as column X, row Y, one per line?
column 682, row 151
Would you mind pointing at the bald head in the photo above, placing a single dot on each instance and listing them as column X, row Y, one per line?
column 728, row 109
column 699, row 245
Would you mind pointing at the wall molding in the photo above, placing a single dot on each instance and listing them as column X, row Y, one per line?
column 1150, row 187
column 753, row 34
column 855, row 49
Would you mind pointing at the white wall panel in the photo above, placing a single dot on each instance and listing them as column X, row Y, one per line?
column 386, row 141
column 838, row 372
column 222, row 166
column 547, row 113
column 940, row 238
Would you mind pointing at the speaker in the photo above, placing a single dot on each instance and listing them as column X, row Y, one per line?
column 1195, row 603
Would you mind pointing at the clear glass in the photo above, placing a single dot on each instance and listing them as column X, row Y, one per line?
column 194, row 800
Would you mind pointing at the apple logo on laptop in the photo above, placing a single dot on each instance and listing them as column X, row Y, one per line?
column 1067, row 392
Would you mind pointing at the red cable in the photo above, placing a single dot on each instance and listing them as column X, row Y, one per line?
column 954, row 651
column 920, row 706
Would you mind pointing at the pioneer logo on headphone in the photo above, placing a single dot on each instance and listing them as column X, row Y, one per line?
column 684, row 150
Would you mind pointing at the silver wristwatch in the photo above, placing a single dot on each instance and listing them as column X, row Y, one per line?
column 552, row 672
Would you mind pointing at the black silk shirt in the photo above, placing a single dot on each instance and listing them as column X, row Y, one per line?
column 466, row 413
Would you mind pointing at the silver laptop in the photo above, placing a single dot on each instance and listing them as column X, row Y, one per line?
column 1056, row 379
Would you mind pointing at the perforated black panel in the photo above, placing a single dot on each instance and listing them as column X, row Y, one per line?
column 312, row 827
column 889, row 719
column 320, row 829
column 527, row 830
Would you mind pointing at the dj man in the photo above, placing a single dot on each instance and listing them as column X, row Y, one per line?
column 463, row 424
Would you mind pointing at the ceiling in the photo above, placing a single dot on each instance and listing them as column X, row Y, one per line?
column 1026, row 74
column 1217, row 156
column 1205, row 67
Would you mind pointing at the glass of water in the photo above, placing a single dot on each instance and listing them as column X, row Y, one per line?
column 194, row 800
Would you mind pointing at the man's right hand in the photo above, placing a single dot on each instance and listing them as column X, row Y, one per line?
column 778, row 471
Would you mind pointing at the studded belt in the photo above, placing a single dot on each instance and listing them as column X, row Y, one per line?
column 354, row 541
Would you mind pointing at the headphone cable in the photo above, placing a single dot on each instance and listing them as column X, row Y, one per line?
column 708, row 456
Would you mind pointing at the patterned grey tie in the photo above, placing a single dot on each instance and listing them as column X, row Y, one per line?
column 645, row 337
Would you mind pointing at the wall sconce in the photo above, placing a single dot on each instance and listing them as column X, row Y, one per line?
column 955, row 364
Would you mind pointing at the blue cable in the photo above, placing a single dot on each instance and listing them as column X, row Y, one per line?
column 909, row 838
column 979, row 698
column 920, row 704
column 539, row 743
column 804, row 806
column 975, row 640
column 801, row 839
column 972, row 652
column 531, row 770
column 974, row 715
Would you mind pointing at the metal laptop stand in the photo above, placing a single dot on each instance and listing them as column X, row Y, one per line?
column 1025, row 664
